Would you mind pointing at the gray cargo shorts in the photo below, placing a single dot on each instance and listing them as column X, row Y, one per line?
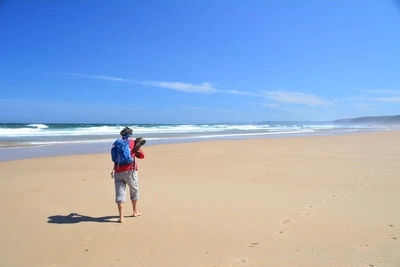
column 121, row 179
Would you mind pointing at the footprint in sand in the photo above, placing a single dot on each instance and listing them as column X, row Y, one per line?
column 332, row 197
column 253, row 244
column 362, row 247
column 391, row 236
column 286, row 221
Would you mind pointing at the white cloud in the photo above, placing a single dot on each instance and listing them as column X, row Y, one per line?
column 236, row 92
column 99, row 77
column 390, row 92
column 394, row 99
column 204, row 88
column 266, row 105
column 388, row 96
column 297, row 98
column 107, row 78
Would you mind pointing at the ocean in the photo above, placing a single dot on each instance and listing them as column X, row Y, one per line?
column 18, row 141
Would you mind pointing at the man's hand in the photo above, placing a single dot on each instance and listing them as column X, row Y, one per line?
column 138, row 143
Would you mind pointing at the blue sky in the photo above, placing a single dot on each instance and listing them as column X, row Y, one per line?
column 195, row 61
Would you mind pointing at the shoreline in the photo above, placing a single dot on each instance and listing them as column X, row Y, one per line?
column 41, row 136
column 27, row 152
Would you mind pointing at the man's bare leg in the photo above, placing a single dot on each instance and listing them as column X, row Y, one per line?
column 136, row 212
column 121, row 212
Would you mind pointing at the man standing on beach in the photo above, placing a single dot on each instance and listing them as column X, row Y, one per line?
column 127, row 174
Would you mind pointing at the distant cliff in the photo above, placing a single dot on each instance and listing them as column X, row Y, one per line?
column 376, row 120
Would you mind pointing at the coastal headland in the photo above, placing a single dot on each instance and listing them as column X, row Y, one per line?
column 295, row 201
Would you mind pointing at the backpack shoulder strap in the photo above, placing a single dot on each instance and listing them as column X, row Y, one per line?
column 131, row 146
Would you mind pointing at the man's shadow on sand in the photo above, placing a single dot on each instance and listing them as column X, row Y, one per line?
column 77, row 218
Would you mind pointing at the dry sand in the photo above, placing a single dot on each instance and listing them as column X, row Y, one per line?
column 299, row 201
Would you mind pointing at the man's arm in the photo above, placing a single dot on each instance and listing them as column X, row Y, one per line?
column 139, row 154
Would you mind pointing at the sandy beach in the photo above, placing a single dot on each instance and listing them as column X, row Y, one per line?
column 296, row 201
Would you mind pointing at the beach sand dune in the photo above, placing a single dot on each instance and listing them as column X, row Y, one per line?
column 297, row 201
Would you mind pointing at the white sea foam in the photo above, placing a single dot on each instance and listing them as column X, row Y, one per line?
column 40, row 126
column 23, row 135
column 42, row 130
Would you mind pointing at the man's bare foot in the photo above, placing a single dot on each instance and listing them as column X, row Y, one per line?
column 121, row 220
column 136, row 214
